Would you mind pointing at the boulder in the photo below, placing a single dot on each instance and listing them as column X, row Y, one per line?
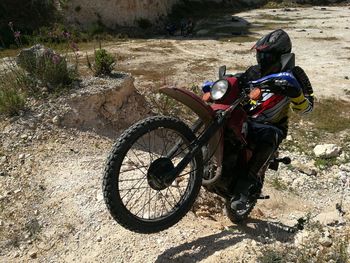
column 105, row 105
column 31, row 58
column 48, row 68
column 329, row 218
column 327, row 150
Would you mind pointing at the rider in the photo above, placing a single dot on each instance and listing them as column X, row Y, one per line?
column 268, row 123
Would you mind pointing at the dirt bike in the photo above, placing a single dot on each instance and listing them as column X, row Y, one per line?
column 158, row 165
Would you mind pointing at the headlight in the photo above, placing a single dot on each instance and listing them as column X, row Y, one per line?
column 219, row 89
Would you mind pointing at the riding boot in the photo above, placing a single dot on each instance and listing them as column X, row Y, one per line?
column 250, row 184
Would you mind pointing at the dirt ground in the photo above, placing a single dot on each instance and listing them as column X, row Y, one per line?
column 69, row 220
column 320, row 38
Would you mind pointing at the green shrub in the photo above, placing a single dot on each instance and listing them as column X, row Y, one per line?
column 53, row 73
column 48, row 69
column 104, row 62
column 12, row 101
column 15, row 84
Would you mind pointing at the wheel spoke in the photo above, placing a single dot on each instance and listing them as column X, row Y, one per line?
column 133, row 187
column 129, row 170
column 135, row 165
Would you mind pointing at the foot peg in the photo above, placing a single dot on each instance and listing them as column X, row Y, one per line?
column 264, row 197
column 275, row 162
column 284, row 160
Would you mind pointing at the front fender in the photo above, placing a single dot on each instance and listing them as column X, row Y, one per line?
column 191, row 100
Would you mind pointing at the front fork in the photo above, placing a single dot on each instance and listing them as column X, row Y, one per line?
column 196, row 145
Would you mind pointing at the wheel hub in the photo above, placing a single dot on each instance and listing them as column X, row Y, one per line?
column 156, row 175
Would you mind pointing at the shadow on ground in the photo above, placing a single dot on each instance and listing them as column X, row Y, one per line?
column 203, row 247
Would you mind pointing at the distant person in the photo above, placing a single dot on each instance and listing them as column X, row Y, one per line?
column 190, row 27
column 171, row 29
column 183, row 26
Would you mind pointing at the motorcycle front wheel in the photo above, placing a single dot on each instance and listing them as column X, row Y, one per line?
column 137, row 194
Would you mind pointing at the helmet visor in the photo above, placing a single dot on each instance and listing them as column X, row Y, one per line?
column 265, row 58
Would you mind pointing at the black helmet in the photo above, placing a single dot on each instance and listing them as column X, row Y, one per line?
column 269, row 50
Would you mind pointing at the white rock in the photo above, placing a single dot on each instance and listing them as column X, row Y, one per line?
column 289, row 138
column 99, row 239
column 99, row 196
column 22, row 156
column 17, row 191
column 327, row 150
column 326, row 241
column 328, row 218
column 3, row 159
column 56, row 120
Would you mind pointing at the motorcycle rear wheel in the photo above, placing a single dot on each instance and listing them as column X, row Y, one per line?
column 135, row 192
column 239, row 216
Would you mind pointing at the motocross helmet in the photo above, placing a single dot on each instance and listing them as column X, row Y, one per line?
column 269, row 50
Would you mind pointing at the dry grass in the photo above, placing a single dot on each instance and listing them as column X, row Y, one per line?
column 239, row 39
column 275, row 17
column 329, row 119
column 325, row 38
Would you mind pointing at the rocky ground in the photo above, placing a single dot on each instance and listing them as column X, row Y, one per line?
column 51, row 204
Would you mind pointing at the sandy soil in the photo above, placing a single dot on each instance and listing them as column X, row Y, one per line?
column 320, row 38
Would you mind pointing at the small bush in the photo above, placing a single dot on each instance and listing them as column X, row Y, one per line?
column 53, row 73
column 104, row 62
column 12, row 101
column 14, row 85
column 46, row 67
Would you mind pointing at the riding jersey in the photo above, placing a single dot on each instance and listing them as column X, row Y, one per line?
column 274, row 108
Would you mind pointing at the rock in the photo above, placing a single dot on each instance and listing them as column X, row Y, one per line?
column 327, row 150
column 1, row 223
column 289, row 138
column 32, row 59
column 99, row 239
column 56, row 120
column 22, row 156
column 346, row 77
column 33, row 254
column 326, row 241
column 305, row 168
column 3, row 159
column 203, row 213
column 329, row 218
column 17, row 191
column 24, row 136
column 99, row 196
